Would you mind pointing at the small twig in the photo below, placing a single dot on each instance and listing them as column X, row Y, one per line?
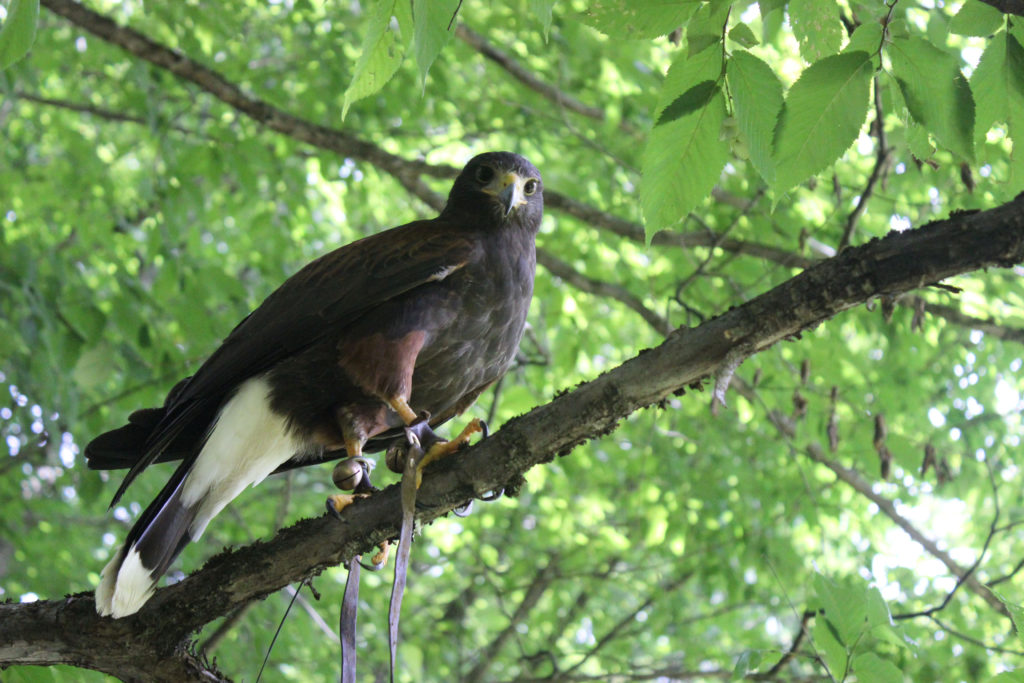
column 877, row 172
column 791, row 652
column 523, row 75
column 563, row 270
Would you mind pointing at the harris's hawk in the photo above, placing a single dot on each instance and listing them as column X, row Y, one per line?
column 347, row 352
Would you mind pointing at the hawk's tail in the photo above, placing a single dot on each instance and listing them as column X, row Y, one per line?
column 160, row 534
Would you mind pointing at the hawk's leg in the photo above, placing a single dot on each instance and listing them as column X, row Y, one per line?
column 435, row 446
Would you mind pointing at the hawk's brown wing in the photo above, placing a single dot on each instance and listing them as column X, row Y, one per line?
column 326, row 295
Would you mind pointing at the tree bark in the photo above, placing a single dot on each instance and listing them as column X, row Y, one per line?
column 153, row 644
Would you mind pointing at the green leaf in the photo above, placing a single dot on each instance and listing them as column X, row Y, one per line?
column 817, row 27
column 542, row 9
column 998, row 84
column 741, row 34
column 866, row 38
column 871, row 667
column 693, row 99
column 685, row 154
column 936, row 93
column 432, row 19
column 829, row 647
column 380, row 59
column 823, row 113
column 876, row 609
column 845, row 608
column 706, row 27
column 638, row 18
column 18, row 31
column 976, row 19
column 757, row 101
column 1008, row 677
column 1016, row 614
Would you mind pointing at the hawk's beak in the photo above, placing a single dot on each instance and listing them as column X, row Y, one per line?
column 510, row 192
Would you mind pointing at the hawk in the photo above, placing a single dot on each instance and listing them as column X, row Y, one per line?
column 414, row 321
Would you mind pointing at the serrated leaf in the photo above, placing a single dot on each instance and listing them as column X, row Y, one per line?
column 432, row 19
column 706, row 27
column 823, row 113
column 18, row 31
column 742, row 35
column 871, row 667
column 638, row 18
column 866, row 38
column 817, row 27
column 998, row 84
column 976, row 19
column 684, row 156
column 936, row 93
column 757, row 101
column 380, row 59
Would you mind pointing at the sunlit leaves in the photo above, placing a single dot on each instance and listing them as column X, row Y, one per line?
column 976, row 19
column 936, row 92
column 871, row 667
column 380, row 58
column 685, row 152
column 757, row 101
column 638, row 18
column 18, row 31
column 816, row 25
column 435, row 25
column 823, row 113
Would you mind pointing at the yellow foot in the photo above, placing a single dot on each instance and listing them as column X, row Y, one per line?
column 443, row 449
column 339, row 501
column 381, row 557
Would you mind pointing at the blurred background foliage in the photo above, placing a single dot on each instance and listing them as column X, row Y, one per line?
column 141, row 218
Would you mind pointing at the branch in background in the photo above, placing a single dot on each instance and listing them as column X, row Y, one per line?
column 563, row 270
column 542, row 580
column 523, row 75
column 956, row 317
column 98, row 112
column 863, row 487
column 1007, row 6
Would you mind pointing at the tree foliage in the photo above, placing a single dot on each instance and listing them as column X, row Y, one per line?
column 840, row 505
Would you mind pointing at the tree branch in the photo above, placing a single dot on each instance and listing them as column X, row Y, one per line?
column 70, row 631
column 1007, row 6
column 563, row 270
column 964, row 575
column 523, row 75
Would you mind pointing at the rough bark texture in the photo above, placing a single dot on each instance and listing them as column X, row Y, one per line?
column 154, row 643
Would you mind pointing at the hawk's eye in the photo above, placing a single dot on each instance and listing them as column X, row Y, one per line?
column 530, row 187
column 485, row 174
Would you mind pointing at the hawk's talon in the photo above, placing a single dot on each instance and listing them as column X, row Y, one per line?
column 379, row 559
column 339, row 501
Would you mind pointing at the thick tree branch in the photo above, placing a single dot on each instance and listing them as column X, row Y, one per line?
column 69, row 630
